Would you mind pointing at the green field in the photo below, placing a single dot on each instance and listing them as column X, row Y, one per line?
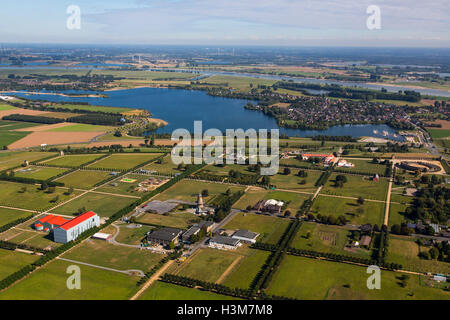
column 207, row 265
column 103, row 205
column 405, row 251
column 127, row 188
column 310, row 279
column 357, row 186
column 292, row 181
column 240, row 83
column 29, row 237
column 326, row 238
column 129, row 235
column 81, row 127
column 439, row 133
column 13, row 159
column 49, row 283
column 124, row 161
column 7, row 133
column 10, row 215
column 28, row 196
column 188, row 190
column 250, row 198
column 12, row 261
column 364, row 166
column 102, row 253
column 39, row 173
column 270, row 229
column 73, row 161
column 372, row 212
column 397, row 213
column 165, row 167
column 292, row 200
column 84, row 179
column 180, row 220
column 243, row 274
column 166, row 291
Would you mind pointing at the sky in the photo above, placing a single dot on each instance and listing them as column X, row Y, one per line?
column 229, row 22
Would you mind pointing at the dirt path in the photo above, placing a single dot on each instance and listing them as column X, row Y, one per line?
column 152, row 279
column 229, row 269
column 388, row 202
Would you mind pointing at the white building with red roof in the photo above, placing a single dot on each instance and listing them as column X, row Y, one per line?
column 72, row 229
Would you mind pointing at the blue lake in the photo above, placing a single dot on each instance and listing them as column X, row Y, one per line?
column 180, row 108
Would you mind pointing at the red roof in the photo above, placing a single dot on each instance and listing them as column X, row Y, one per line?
column 76, row 221
column 38, row 225
column 54, row 220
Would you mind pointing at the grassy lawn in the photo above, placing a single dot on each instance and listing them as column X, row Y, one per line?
column 10, row 215
column 373, row 212
column 167, row 291
column 27, row 196
column 39, row 173
column 207, row 265
column 357, row 186
column 49, row 283
column 246, row 270
column 293, row 200
column 7, row 133
column 251, row 197
column 240, row 83
column 13, row 159
column 36, row 239
column 270, row 228
column 73, row 161
column 84, row 179
column 292, row 181
column 165, row 167
column 102, row 253
column 180, row 220
column 12, row 261
column 81, row 127
column 124, row 161
column 103, row 205
column 364, row 166
column 188, row 190
column 300, row 163
column 326, row 238
column 320, row 280
column 129, row 235
column 397, row 213
column 405, row 251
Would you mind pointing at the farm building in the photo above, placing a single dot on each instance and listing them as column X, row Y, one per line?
column 245, row 236
column 165, row 236
column 49, row 223
column 326, row 158
column 73, row 228
column 102, row 236
column 344, row 164
column 271, row 205
column 226, row 243
column 160, row 207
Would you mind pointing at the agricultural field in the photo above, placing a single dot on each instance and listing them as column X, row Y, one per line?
column 188, row 190
column 370, row 212
column 207, row 264
column 166, row 291
column 29, row 196
column 8, row 133
column 326, row 238
column 49, row 283
column 246, row 269
column 293, row 201
column 12, row 261
column 26, row 235
column 357, row 186
column 39, row 173
column 105, row 254
column 73, row 161
column 81, row 127
column 123, row 161
column 293, row 182
column 319, row 280
column 180, row 220
column 10, row 215
column 103, row 205
column 10, row 160
column 439, row 133
column 84, row 179
column 405, row 251
column 240, row 83
column 270, row 228
column 397, row 213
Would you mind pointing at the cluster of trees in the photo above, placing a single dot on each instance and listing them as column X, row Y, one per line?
column 224, row 207
column 331, row 219
column 233, row 177
column 340, row 180
column 33, row 119
column 334, row 138
column 323, row 178
column 91, row 118
column 430, row 203
column 439, row 251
